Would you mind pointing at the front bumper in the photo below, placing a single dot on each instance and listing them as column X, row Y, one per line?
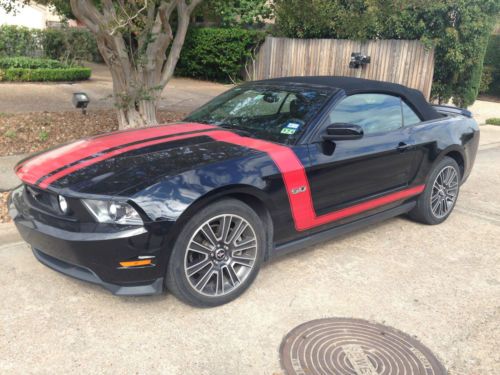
column 86, row 274
column 94, row 254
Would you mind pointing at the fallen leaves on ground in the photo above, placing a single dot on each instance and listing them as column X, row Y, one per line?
column 22, row 133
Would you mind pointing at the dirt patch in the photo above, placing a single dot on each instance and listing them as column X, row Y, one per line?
column 4, row 215
column 36, row 131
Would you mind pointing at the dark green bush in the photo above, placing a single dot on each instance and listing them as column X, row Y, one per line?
column 459, row 30
column 491, row 70
column 70, row 45
column 20, row 41
column 493, row 121
column 217, row 54
column 44, row 74
column 29, row 63
column 66, row 44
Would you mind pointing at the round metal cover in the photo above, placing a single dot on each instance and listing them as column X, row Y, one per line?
column 354, row 346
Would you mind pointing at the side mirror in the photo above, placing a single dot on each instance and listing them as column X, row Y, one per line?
column 341, row 132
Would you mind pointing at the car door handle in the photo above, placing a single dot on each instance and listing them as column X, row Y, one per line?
column 404, row 146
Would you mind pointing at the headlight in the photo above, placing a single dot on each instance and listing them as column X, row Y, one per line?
column 63, row 204
column 113, row 212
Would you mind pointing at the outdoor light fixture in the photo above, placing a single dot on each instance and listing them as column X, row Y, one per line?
column 81, row 100
column 358, row 60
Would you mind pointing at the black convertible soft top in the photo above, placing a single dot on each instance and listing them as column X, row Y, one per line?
column 352, row 85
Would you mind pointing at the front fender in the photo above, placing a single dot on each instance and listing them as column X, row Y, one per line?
column 169, row 198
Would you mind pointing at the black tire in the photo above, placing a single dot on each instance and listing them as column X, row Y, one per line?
column 423, row 211
column 184, row 287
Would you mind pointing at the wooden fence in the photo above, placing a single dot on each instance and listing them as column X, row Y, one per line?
column 406, row 62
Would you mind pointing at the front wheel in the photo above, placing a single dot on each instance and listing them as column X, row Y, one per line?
column 217, row 255
column 437, row 201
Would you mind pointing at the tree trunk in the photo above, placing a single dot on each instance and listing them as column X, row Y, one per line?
column 138, row 80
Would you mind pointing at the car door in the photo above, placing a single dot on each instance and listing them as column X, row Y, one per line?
column 345, row 172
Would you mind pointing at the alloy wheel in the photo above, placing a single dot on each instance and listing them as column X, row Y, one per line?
column 444, row 192
column 220, row 255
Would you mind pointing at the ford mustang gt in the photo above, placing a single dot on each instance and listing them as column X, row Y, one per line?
column 263, row 169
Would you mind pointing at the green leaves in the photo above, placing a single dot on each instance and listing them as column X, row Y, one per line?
column 459, row 29
column 29, row 63
column 230, row 13
column 217, row 54
column 25, row 69
column 67, row 44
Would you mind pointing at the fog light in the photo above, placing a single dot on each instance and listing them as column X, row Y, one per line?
column 63, row 204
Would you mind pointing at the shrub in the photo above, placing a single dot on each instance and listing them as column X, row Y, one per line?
column 20, row 41
column 459, row 29
column 486, row 79
column 45, row 74
column 492, row 66
column 66, row 44
column 216, row 53
column 29, row 63
column 493, row 121
column 70, row 45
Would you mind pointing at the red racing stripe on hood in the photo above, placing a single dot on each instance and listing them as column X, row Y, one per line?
column 42, row 165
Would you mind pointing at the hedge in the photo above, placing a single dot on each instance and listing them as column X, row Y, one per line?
column 45, row 74
column 459, row 30
column 66, row 44
column 216, row 53
column 491, row 71
column 30, row 63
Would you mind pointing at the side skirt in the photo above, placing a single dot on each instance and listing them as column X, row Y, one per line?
column 337, row 231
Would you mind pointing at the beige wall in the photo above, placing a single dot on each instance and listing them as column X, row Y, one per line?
column 33, row 16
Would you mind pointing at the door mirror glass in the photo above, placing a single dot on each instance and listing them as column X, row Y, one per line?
column 342, row 131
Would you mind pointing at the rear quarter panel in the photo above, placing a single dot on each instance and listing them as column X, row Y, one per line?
column 436, row 139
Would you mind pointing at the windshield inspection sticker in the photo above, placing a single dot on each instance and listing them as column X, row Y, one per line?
column 290, row 128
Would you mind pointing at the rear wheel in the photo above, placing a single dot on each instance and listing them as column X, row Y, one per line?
column 437, row 201
column 217, row 255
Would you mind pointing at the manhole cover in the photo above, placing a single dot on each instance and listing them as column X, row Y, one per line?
column 354, row 346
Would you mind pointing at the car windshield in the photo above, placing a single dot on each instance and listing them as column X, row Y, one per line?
column 278, row 114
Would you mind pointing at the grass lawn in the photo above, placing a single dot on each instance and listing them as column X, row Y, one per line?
column 493, row 121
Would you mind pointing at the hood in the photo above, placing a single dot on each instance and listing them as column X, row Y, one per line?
column 127, row 161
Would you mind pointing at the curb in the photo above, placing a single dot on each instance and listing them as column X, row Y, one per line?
column 8, row 179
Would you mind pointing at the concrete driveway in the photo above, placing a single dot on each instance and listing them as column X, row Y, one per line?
column 180, row 94
column 438, row 283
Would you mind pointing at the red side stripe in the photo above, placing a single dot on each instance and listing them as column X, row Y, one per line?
column 292, row 170
column 294, row 176
column 39, row 166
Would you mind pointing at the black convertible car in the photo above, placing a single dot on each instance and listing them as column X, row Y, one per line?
column 263, row 169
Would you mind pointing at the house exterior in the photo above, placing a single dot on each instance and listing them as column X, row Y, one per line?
column 33, row 16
